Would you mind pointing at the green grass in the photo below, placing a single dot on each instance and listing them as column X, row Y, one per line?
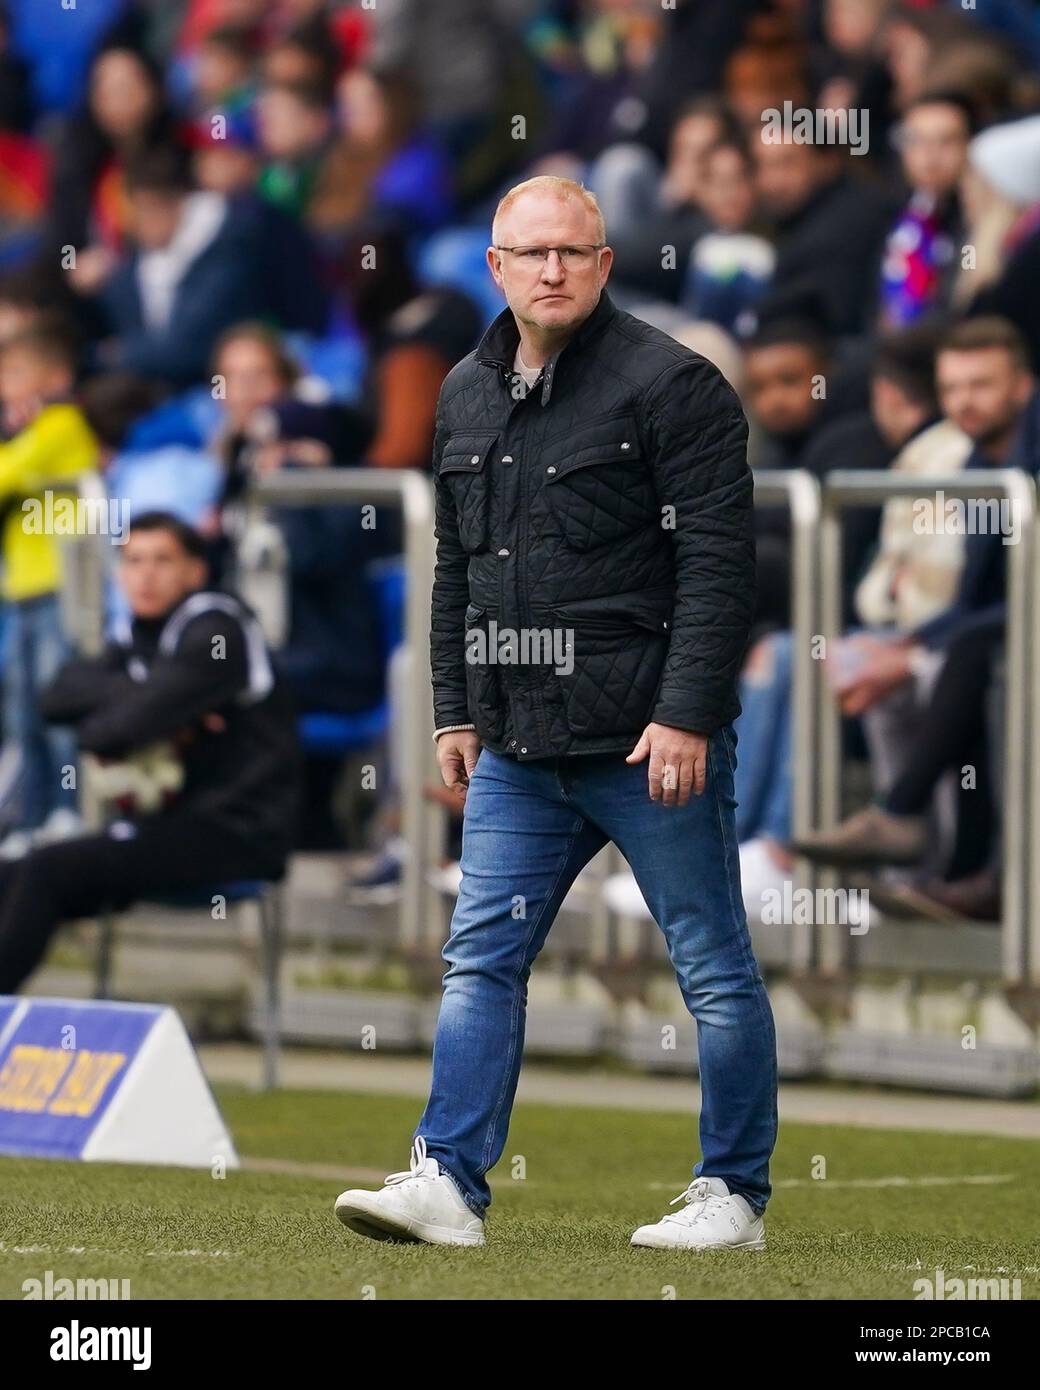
column 562, row 1232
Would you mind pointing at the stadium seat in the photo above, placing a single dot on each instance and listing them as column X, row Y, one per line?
column 329, row 733
column 456, row 257
column 268, row 895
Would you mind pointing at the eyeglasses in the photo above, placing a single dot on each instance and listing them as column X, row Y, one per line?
column 571, row 257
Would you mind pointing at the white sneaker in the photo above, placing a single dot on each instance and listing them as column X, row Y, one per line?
column 711, row 1219
column 422, row 1204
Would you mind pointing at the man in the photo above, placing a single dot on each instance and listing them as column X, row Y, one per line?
column 592, row 492
column 986, row 388
column 829, row 230
column 188, row 697
column 805, row 405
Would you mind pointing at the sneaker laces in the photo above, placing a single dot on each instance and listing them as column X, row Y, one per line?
column 418, row 1167
column 701, row 1203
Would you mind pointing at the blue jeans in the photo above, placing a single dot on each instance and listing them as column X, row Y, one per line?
column 35, row 647
column 764, row 778
column 528, row 829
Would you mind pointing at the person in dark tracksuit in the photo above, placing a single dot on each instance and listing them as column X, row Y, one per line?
column 193, row 674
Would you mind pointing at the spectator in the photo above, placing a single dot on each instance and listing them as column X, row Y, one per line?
column 49, row 446
column 730, row 265
column 1003, row 186
column 797, row 397
column 922, row 250
column 193, row 273
column 414, row 338
column 225, row 68
column 911, row 579
column 829, row 234
column 125, row 115
column 987, row 389
column 160, row 703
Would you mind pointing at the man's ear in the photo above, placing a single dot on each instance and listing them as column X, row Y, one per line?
column 199, row 574
column 493, row 266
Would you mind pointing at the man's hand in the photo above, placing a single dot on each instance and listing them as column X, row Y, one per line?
column 884, row 667
column 457, row 755
column 678, row 763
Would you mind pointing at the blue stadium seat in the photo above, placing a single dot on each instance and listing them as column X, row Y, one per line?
column 456, row 257
column 332, row 733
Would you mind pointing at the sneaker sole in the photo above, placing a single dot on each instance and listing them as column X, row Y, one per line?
column 381, row 1225
column 754, row 1245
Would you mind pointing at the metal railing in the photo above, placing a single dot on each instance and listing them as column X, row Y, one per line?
column 844, row 490
column 413, row 494
column 799, row 491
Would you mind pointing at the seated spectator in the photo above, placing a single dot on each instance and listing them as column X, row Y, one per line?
column 48, row 446
column 296, row 130
column 193, row 273
column 384, row 169
column 911, row 579
column 730, row 266
column 125, row 115
column 795, row 397
column 922, row 252
column 650, row 208
column 226, row 161
column 829, row 231
column 225, row 69
column 414, row 338
column 210, row 741
column 987, row 389
column 1003, row 190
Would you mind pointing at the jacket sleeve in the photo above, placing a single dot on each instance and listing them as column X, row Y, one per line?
column 697, row 440
column 82, row 686
column 204, row 674
column 448, row 605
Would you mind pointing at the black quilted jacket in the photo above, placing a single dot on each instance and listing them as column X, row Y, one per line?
column 595, row 551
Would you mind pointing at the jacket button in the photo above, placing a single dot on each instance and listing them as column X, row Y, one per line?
column 523, row 750
column 507, row 458
column 626, row 446
column 475, row 458
column 512, row 743
column 550, row 470
column 665, row 623
column 503, row 552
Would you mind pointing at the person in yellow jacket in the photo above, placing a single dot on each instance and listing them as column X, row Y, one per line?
column 49, row 445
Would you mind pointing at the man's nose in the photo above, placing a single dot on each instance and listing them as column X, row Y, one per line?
column 552, row 268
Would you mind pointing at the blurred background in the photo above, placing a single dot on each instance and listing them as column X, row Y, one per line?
column 254, row 231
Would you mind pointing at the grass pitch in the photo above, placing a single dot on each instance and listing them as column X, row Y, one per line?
column 893, row 1207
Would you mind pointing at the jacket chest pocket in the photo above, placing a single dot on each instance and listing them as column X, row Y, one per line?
column 465, row 470
column 602, row 491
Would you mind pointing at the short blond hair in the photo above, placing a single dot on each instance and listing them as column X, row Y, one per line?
column 565, row 189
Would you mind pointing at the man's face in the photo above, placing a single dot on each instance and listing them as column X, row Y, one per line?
column 154, row 217
column 549, row 295
column 983, row 391
column 933, row 142
column 786, row 176
column 251, row 379
column 26, row 377
column 156, row 572
column 780, row 382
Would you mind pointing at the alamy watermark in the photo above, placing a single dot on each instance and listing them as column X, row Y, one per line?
column 57, row 514
column 804, row 125
column 940, row 515
column 524, row 646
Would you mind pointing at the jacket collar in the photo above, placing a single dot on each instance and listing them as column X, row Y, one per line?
column 498, row 346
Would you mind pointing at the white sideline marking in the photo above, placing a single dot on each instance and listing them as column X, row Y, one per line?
column 101, row 1250
column 978, row 1179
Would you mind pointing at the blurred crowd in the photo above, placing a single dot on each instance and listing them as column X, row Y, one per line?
column 241, row 235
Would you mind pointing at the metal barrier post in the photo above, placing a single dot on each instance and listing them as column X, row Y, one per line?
column 846, row 489
column 800, row 492
column 412, row 492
